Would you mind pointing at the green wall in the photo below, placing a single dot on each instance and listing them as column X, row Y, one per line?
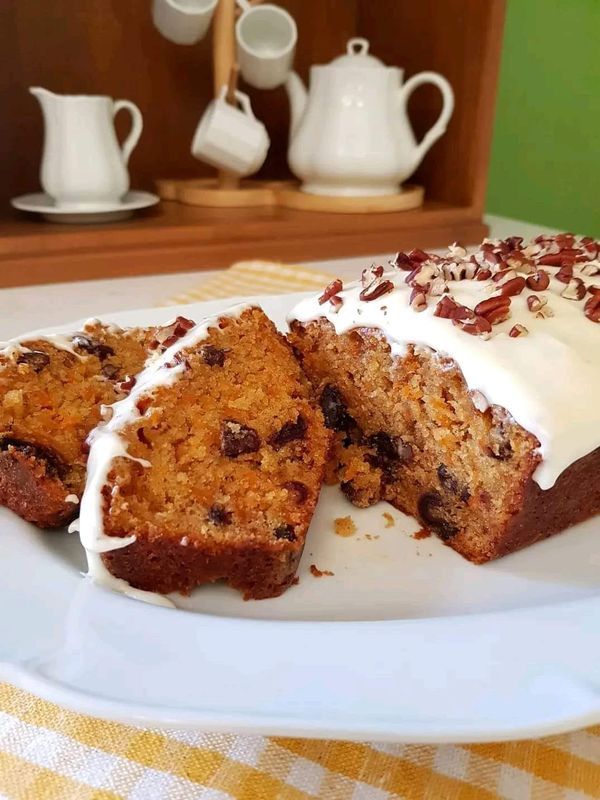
column 545, row 164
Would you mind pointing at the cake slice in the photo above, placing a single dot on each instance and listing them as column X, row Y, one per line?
column 211, row 468
column 51, row 390
column 465, row 389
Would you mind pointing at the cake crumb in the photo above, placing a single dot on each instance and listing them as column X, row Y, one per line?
column 344, row 526
column 389, row 520
column 423, row 533
column 318, row 573
column 371, row 537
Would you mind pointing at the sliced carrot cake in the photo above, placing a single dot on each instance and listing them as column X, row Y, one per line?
column 51, row 390
column 211, row 468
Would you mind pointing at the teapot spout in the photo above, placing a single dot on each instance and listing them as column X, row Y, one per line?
column 297, row 94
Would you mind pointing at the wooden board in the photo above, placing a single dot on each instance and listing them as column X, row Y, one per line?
column 176, row 237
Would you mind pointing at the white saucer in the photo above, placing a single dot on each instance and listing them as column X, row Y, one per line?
column 41, row 203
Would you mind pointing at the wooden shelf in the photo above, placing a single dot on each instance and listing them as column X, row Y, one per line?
column 174, row 237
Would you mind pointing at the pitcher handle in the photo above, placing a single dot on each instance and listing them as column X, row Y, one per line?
column 137, row 124
column 439, row 126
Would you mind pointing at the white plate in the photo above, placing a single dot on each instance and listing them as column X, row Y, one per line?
column 406, row 641
column 40, row 203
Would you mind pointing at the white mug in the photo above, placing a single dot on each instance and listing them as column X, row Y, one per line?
column 266, row 42
column 231, row 138
column 183, row 21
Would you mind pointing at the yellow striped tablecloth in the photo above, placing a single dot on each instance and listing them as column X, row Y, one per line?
column 48, row 753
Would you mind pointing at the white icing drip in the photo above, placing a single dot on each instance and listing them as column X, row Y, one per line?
column 549, row 380
column 62, row 341
column 107, row 445
column 72, row 498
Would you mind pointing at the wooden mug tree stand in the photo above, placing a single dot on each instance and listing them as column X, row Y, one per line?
column 225, row 190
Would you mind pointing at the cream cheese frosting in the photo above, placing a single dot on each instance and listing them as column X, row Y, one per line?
column 107, row 444
column 547, row 377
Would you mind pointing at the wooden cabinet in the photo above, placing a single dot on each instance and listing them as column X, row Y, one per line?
column 110, row 47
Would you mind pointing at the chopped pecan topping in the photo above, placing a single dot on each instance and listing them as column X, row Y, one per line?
column 592, row 308
column 335, row 287
column 518, row 330
column 538, row 281
column 574, row 290
column 127, row 384
column 375, row 290
column 418, row 300
column 513, row 287
column 167, row 335
column 479, row 326
column 495, row 309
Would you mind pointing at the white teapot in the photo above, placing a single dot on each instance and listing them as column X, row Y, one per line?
column 350, row 134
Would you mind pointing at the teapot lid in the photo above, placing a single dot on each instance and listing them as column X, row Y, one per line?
column 357, row 55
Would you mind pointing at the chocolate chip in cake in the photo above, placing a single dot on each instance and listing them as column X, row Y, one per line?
column 237, row 439
column 141, row 434
column 348, row 489
column 428, row 506
column 110, row 371
column 447, row 479
column 92, row 347
column 334, row 410
column 218, row 515
column 55, row 466
column 213, row 356
column 298, row 489
column 289, row 432
column 285, row 532
column 35, row 359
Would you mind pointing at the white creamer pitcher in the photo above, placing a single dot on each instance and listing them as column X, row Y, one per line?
column 83, row 164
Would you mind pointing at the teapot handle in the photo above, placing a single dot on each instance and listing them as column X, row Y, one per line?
column 439, row 126
column 137, row 124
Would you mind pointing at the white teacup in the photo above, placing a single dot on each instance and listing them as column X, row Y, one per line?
column 231, row 138
column 266, row 42
column 183, row 21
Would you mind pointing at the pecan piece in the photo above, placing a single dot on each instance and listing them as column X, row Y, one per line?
column 377, row 289
column 592, row 308
column 332, row 289
column 538, row 281
column 574, row 290
column 518, row 330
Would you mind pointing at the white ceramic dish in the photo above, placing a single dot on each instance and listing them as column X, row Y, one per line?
column 406, row 641
column 40, row 203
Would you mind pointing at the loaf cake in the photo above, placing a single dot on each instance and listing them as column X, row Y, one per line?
column 211, row 467
column 465, row 389
column 51, row 390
